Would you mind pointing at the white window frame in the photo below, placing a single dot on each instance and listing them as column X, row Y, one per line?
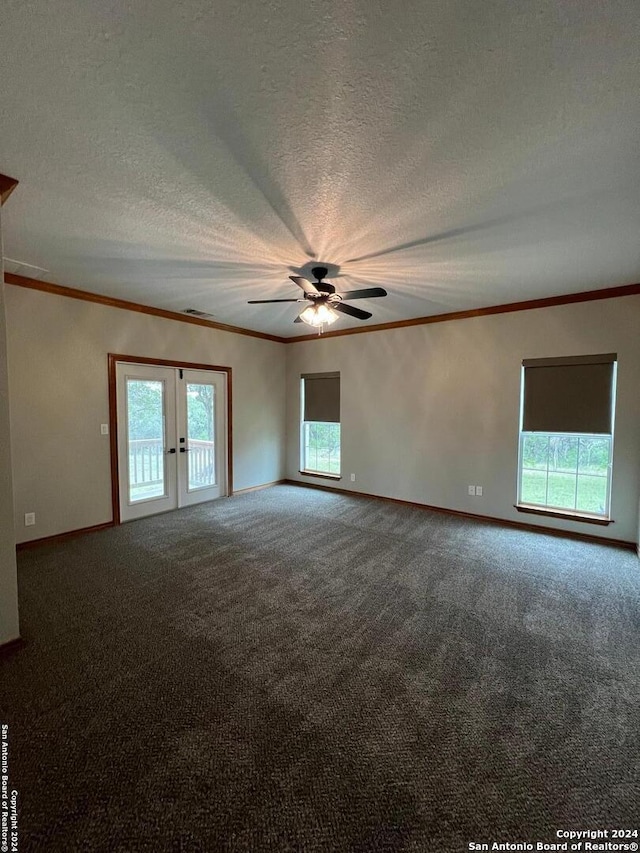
column 546, row 509
column 553, row 508
column 302, row 454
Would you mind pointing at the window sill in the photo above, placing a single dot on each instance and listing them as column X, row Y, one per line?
column 321, row 476
column 567, row 515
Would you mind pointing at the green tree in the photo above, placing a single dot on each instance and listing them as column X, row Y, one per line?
column 200, row 401
column 144, row 409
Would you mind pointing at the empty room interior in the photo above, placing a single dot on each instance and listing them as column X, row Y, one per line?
column 320, row 426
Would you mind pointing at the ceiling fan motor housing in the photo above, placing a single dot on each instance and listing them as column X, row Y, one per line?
column 322, row 286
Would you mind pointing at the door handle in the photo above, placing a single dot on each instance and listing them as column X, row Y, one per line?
column 185, row 450
column 171, row 450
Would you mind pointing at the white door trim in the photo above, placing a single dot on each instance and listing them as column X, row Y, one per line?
column 225, row 447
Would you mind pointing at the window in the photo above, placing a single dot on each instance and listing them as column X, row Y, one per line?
column 563, row 471
column 320, row 424
column 566, row 435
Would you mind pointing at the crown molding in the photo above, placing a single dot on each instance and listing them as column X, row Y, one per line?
column 527, row 305
column 86, row 296
column 547, row 302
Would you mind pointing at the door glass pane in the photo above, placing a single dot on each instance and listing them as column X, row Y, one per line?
column 145, row 434
column 201, row 434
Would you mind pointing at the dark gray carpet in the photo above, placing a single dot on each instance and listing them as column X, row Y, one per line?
column 293, row 670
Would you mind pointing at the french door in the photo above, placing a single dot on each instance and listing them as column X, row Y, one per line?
column 171, row 437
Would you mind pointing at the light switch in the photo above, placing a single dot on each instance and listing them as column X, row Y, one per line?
column 104, row 429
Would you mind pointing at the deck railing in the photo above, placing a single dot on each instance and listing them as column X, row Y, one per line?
column 146, row 462
column 201, row 463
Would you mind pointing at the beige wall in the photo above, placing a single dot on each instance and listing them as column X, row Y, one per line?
column 8, row 580
column 429, row 410
column 426, row 410
column 57, row 351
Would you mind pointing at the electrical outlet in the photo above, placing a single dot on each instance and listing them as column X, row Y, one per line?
column 104, row 429
column 472, row 490
column 479, row 491
column 353, row 478
column 29, row 519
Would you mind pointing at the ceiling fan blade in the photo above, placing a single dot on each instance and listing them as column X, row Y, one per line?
column 349, row 309
column 367, row 293
column 307, row 286
column 262, row 301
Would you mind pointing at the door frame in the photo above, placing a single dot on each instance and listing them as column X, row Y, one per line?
column 112, row 360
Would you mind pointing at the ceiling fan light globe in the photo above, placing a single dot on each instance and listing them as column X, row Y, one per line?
column 318, row 315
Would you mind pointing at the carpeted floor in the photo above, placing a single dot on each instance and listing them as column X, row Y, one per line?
column 294, row 670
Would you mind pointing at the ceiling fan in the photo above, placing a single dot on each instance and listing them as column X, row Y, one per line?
column 325, row 302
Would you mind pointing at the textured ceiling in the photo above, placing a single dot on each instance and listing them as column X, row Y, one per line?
column 192, row 154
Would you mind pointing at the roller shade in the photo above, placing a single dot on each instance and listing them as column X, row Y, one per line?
column 322, row 397
column 572, row 394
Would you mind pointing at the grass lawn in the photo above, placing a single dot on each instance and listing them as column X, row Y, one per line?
column 591, row 490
